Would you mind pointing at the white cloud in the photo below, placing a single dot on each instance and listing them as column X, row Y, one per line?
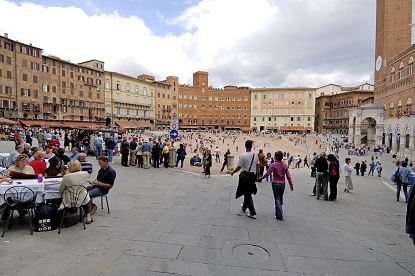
column 261, row 42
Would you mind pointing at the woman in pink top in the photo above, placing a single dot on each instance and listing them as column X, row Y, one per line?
column 279, row 171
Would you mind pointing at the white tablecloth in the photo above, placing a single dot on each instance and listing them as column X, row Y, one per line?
column 49, row 189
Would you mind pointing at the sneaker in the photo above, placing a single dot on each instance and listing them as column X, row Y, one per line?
column 312, row 194
column 251, row 216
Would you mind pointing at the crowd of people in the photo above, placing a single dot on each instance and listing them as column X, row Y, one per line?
column 47, row 161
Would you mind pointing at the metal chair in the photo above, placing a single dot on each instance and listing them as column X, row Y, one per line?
column 19, row 198
column 76, row 200
column 102, row 202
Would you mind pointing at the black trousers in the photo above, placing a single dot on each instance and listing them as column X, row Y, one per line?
column 156, row 161
column 124, row 157
column 333, row 187
column 166, row 160
column 223, row 166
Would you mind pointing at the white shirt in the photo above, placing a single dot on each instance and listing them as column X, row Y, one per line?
column 245, row 160
column 347, row 169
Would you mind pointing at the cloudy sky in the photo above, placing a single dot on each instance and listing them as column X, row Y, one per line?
column 258, row 43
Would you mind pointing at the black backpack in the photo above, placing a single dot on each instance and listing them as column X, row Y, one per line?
column 46, row 217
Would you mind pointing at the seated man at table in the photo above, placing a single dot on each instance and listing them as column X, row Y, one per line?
column 38, row 164
column 55, row 168
column 86, row 165
column 61, row 154
column 105, row 179
column 75, row 154
column 20, row 166
column 19, row 149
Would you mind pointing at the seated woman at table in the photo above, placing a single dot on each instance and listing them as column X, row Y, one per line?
column 75, row 176
column 55, row 167
column 61, row 154
column 38, row 164
column 33, row 150
column 20, row 166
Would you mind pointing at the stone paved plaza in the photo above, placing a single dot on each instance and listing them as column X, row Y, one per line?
column 170, row 222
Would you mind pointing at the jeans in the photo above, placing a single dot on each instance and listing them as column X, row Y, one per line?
column 177, row 162
column 405, row 190
column 95, row 191
column 248, row 204
column 110, row 154
column 371, row 171
column 278, row 190
column 98, row 152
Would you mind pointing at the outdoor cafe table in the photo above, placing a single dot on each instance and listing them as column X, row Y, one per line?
column 48, row 189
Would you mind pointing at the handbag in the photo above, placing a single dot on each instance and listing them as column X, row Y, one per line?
column 246, row 179
column 396, row 178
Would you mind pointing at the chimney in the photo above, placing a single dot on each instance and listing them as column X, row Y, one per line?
column 6, row 35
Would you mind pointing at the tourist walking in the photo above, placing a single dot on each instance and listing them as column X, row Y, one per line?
column 98, row 145
column 261, row 164
column 133, row 148
column 357, row 168
column 225, row 159
column 217, row 155
column 334, row 175
column 155, row 155
column 165, row 153
column 306, row 161
column 363, row 167
column 410, row 215
column 269, row 160
column 207, row 159
column 246, row 185
column 181, row 155
column 146, row 148
column 280, row 171
column 372, row 166
column 110, row 145
column 347, row 171
column 379, row 169
column 401, row 180
column 322, row 176
column 298, row 163
column 41, row 139
column 124, row 152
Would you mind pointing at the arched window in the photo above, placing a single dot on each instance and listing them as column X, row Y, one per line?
column 411, row 66
column 401, row 73
column 391, row 107
column 399, row 107
column 409, row 105
column 393, row 74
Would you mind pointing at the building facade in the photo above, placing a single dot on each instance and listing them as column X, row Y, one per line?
column 332, row 111
column 38, row 87
column 394, row 91
column 201, row 106
column 283, row 109
column 166, row 100
column 129, row 101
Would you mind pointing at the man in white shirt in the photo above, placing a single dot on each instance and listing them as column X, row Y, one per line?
column 247, row 163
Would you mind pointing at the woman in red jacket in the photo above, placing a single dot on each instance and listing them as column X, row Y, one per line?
column 38, row 164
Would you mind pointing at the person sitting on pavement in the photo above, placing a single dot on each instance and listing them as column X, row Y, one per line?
column 86, row 165
column 55, row 168
column 76, row 177
column 75, row 154
column 20, row 166
column 38, row 164
column 105, row 179
column 13, row 155
column 196, row 161
column 61, row 154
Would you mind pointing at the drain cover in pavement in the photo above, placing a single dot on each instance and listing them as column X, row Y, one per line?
column 250, row 252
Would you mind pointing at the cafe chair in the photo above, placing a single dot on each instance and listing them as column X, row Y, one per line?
column 102, row 202
column 21, row 199
column 76, row 200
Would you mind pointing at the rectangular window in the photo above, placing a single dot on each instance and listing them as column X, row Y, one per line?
column 8, row 90
column 54, row 89
column 63, row 73
column 34, row 53
column 24, row 77
column 1, row 58
column 25, row 92
column 35, row 79
column 9, row 74
column 45, row 88
column 9, row 60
